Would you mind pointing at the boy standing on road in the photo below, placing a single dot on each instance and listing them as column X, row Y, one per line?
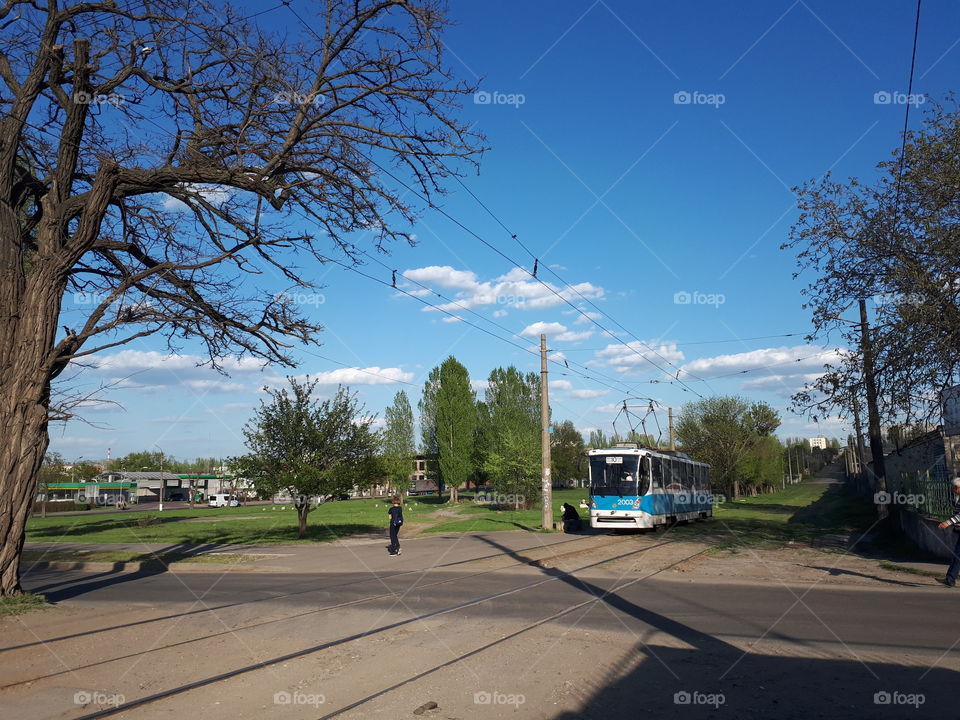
column 951, row 579
column 395, row 514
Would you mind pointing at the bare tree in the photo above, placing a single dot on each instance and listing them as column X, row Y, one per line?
column 158, row 157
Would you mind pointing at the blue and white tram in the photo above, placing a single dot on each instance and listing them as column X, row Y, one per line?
column 634, row 487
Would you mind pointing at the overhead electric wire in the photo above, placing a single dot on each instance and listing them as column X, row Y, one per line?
column 514, row 263
column 515, row 237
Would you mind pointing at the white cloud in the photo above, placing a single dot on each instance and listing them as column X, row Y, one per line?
column 637, row 357
column 587, row 394
column 573, row 336
column 362, row 376
column 515, row 288
column 543, row 328
column 561, row 385
column 781, row 370
column 787, row 360
column 479, row 384
column 586, row 317
column 452, row 319
column 558, row 356
column 499, row 313
column 213, row 194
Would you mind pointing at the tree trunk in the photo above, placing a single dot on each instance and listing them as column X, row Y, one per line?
column 23, row 416
column 302, row 511
column 29, row 308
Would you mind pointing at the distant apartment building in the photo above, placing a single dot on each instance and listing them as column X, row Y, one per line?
column 818, row 443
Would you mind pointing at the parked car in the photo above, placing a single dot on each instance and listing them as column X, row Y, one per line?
column 222, row 500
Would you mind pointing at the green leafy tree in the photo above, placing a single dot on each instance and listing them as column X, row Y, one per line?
column 399, row 445
column 448, row 422
column 598, row 439
column 566, row 447
column 513, row 461
column 309, row 448
column 892, row 242
column 726, row 432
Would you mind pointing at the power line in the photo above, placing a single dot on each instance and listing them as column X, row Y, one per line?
column 514, row 263
column 566, row 284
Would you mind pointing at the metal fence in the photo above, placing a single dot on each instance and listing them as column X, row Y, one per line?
column 932, row 490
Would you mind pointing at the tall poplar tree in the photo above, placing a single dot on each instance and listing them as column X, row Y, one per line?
column 448, row 421
column 399, row 445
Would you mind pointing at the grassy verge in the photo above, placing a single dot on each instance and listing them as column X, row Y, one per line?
column 803, row 513
column 912, row 571
column 482, row 517
column 254, row 524
column 10, row 606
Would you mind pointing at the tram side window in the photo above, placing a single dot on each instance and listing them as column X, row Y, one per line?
column 643, row 475
column 657, row 474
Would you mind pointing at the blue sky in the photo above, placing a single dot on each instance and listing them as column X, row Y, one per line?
column 644, row 152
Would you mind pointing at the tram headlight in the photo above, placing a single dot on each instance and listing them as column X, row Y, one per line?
column 593, row 504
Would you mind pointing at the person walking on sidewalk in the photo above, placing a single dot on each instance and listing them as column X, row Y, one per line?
column 954, row 570
column 395, row 514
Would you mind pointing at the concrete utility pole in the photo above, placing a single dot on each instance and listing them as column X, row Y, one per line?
column 673, row 445
column 547, row 486
column 873, row 413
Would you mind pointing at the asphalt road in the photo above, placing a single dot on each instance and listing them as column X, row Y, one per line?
column 824, row 651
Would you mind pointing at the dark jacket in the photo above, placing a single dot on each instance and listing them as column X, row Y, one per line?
column 396, row 515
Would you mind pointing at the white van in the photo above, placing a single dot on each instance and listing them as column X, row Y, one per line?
column 224, row 501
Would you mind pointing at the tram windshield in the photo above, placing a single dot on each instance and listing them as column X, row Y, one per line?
column 614, row 474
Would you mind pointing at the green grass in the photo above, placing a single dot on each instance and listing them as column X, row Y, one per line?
column 253, row 524
column 19, row 604
column 800, row 513
column 912, row 571
column 485, row 518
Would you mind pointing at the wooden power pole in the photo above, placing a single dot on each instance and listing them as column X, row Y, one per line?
column 547, row 485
